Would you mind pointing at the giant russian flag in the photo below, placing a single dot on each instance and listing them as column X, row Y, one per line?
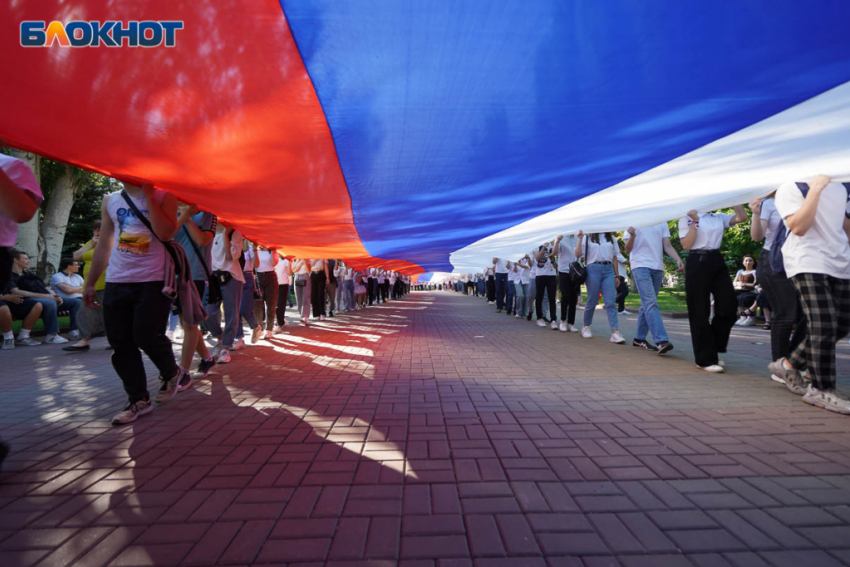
column 432, row 135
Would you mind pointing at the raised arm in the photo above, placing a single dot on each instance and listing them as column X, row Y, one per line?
column 759, row 225
column 689, row 239
column 800, row 222
column 630, row 243
column 578, row 251
column 740, row 215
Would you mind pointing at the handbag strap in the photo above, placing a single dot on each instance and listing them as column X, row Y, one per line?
column 198, row 252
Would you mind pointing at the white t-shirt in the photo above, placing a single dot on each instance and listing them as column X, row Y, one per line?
column 265, row 257
column 74, row 280
column 599, row 252
column 824, row 248
column 710, row 230
column 282, row 269
column 567, row 252
column 317, row 265
column 488, row 272
column 501, row 266
column 18, row 171
column 648, row 250
column 771, row 215
column 302, row 267
column 512, row 275
column 137, row 255
column 524, row 274
column 219, row 256
column 544, row 265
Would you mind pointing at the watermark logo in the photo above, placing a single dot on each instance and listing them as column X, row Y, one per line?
column 111, row 33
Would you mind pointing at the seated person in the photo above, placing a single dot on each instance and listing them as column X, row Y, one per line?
column 14, row 306
column 68, row 284
column 30, row 286
column 745, row 285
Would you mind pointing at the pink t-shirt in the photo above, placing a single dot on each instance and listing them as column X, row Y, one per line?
column 20, row 173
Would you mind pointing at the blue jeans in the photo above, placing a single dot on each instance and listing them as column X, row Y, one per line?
column 231, row 294
column 349, row 295
column 73, row 305
column 246, row 308
column 501, row 285
column 49, row 315
column 531, row 295
column 521, row 301
column 648, row 282
column 510, row 296
column 601, row 276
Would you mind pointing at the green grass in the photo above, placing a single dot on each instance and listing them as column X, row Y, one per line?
column 64, row 323
column 670, row 300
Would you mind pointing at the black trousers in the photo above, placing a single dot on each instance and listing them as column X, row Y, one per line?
column 546, row 284
column 317, row 292
column 135, row 316
column 569, row 295
column 491, row 288
column 788, row 324
column 282, row 301
column 707, row 275
column 621, row 298
column 371, row 288
column 385, row 290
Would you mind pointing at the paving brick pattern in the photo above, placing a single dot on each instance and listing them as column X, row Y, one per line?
column 426, row 432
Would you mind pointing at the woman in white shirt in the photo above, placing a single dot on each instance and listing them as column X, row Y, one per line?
column 600, row 252
column 226, row 252
column 301, row 273
column 706, row 274
column 745, row 286
column 269, row 288
column 546, row 283
column 788, row 326
column 521, row 278
column 283, row 271
column 566, row 246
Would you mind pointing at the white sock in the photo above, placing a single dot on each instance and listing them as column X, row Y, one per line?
column 23, row 333
column 9, row 335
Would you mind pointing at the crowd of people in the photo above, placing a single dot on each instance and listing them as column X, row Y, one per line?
column 152, row 260
column 801, row 283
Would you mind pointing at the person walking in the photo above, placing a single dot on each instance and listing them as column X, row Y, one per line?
column 319, row 279
column 301, row 275
column 565, row 247
column 788, row 324
column 706, row 275
column 283, row 271
column 135, row 309
column 226, row 255
column 816, row 258
column 500, row 268
column 600, row 253
column 546, row 283
column 646, row 247
column 268, row 284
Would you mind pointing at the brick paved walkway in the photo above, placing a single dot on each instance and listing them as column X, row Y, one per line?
column 428, row 432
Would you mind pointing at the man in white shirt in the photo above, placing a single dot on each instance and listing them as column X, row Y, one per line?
column 816, row 257
column 283, row 271
column 646, row 247
column 68, row 285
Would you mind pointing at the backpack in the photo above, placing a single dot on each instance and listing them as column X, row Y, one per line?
column 781, row 235
column 28, row 281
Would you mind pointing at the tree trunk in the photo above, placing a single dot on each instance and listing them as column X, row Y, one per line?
column 27, row 240
column 55, row 222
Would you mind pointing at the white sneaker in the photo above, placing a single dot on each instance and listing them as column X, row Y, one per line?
column 268, row 335
column 277, row 329
column 586, row 332
column 55, row 340
column 748, row 322
column 239, row 344
column 572, row 328
column 563, row 327
column 517, row 316
column 623, row 312
column 132, row 412
column 8, row 344
column 617, row 338
column 721, row 364
column 541, row 323
column 554, row 325
column 223, row 357
column 827, row 399
column 322, row 317
column 715, row 368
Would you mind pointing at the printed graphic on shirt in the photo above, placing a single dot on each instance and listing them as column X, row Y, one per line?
column 133, row 236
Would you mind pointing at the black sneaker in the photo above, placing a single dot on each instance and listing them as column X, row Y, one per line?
column 204, row 368
column 664, row 346
column 170, row 387
column 185, row 381
column 528, row 318
column 643, row 344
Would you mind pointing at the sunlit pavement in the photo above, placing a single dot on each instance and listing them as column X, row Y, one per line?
column 428, row 431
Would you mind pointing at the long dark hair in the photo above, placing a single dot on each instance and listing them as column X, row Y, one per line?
column 608, row 236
